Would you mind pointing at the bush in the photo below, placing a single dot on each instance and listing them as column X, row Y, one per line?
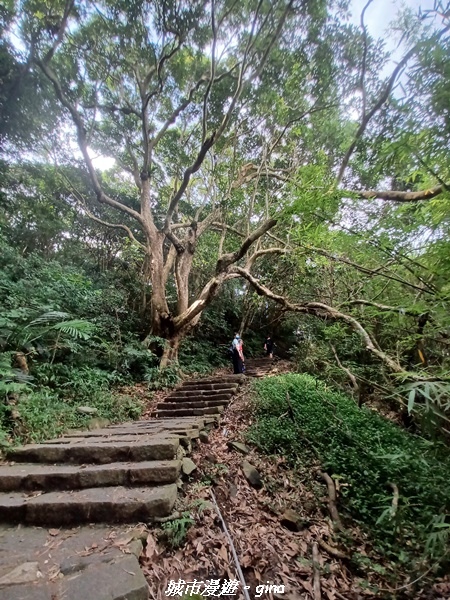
column 365, row 452
column 49, row 409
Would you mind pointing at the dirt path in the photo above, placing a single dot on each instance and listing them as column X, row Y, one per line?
column 271, row 549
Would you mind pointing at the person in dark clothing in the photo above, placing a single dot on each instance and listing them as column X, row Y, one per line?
column 238, row 355
column 268, row 347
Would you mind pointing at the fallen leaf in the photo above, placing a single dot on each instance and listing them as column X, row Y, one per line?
column 150, row 549
column 223, row 553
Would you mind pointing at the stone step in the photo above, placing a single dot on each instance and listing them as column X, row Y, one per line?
column 191, row 403
column 91, row 505
column 206, row 398
column 165, row 424
column 31, row 477
column 116, row 433
column 203, row 392
column 207, row 387
column 214, row 380
column 180, row 412
column 147, row 447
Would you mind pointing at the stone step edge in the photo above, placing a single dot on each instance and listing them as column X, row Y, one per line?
column 135, row 451
column 91, row 505
column 35, row 476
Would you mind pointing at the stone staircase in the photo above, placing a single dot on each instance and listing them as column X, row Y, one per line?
column 200, row 397
column 259, row 367
column 123, row 473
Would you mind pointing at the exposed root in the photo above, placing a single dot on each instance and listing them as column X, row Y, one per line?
column 332, row 551
column 332, row 501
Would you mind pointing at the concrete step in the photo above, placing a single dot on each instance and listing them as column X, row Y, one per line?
column 181, row 412
column 205, row 398
column 191, row 403
column 85, row 451
column 31, row 477
column 92, row 505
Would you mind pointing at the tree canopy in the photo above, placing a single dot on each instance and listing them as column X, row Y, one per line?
column 248, row 141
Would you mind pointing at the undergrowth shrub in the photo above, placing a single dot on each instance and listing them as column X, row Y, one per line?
column 201, row 356
column 367, row 453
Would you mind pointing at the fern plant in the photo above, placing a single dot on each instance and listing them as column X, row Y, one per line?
column 63, row 332
column 177, row 529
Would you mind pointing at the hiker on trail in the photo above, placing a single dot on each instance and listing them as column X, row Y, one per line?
column 238, row 354
column 268, row 347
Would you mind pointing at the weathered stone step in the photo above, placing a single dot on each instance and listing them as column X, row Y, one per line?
column 206, row 398
column 194, row 402
column 31, row 477
column 92, row 505
column 112, row 435
column 190, row 393
column 147, row 447
column 208, row 388
column 180, row 412
column 191, row 403
column 215, row 380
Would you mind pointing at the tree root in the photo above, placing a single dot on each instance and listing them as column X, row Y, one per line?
column 332, row 501
column 332, row 551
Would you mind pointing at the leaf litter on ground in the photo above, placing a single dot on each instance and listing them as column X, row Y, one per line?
column 268, row 552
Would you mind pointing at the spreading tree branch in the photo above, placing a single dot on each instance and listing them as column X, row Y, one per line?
column 82, row 143
column 228, row 259
column 397, row 196
column 325, row 312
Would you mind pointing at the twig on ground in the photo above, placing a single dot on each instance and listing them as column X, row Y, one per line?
column 394, row 500
column 233, row 550
column 332, row 501
column 316, row 570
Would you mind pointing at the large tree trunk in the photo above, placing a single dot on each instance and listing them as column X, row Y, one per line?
column 170, row 354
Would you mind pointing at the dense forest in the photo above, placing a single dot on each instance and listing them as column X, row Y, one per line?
column 174, row 171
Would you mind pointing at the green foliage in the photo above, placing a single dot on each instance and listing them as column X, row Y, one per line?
column 200, row 356
column 176, row 530
column 160, row 379
column 366, row 452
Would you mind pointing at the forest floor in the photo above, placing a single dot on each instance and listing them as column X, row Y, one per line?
column 269, row 551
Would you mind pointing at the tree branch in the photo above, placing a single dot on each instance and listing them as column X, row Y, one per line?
column 175, row 114
column 91, row 215
column 259, row 253
column 366, row 270
column 82, row 143
column 364, row 59
column 375, row 108
column 325, row 312
column 385, row 308
column 228, row 259
column 62, row 28
column 349, row 373
column 397, row 196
